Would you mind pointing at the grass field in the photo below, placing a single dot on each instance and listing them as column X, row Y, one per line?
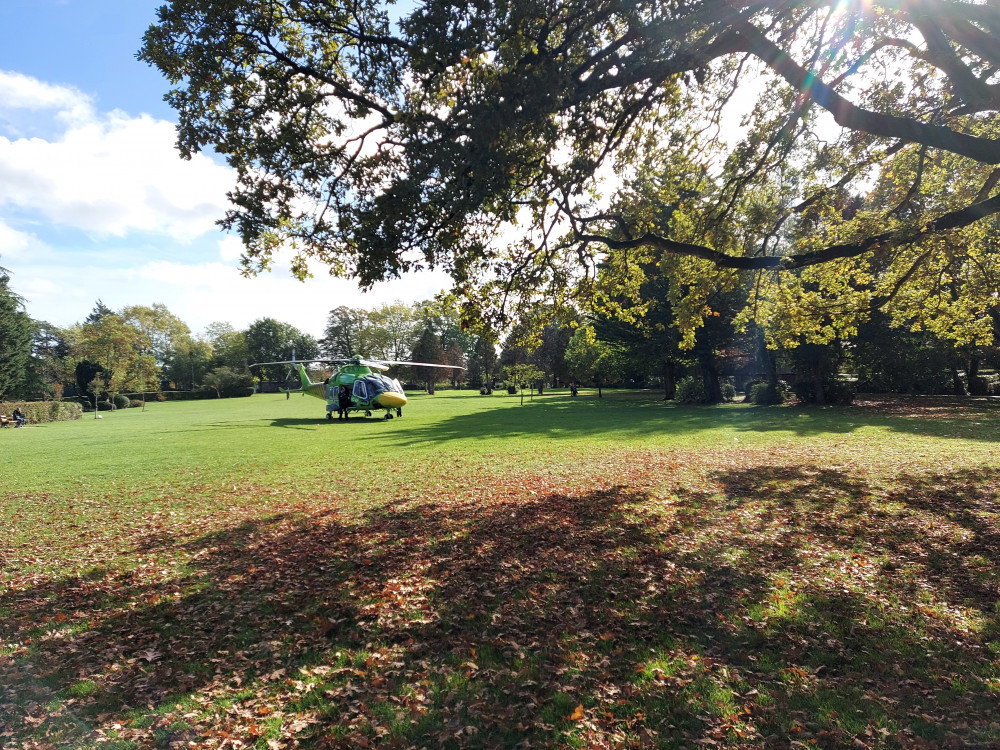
column 586, row 572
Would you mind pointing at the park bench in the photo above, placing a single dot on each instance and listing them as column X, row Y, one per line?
column 6, row 421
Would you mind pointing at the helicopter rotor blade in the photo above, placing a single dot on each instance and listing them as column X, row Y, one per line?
column 381, row 364
column 420, row 364
column 328, row 361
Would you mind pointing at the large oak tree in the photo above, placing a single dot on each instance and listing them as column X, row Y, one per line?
column 829, row 157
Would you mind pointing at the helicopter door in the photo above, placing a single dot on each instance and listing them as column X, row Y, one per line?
column 360, row 390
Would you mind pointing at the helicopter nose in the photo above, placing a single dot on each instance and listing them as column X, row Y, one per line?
column 392, row 400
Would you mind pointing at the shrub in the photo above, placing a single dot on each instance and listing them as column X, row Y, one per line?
column 839, row 392
column 121, row 402
column 105, row 406
column 979, row 387
column 690, row 390
column 835, row 392
column 135, row 402
column 728, row 392
column 763, row 395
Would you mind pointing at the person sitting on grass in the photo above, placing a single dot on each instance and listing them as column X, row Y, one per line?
column 19, row 418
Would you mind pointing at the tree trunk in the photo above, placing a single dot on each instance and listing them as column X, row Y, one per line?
column 817, row 378
column 709, row 376
column 770, row 358
column 958, row 388
column 977, row 385
column 669, row 380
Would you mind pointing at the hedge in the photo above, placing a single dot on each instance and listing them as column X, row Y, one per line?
column 37, row 412
column 198, row 395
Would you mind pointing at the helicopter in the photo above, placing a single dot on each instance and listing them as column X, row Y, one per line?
column 368, row 388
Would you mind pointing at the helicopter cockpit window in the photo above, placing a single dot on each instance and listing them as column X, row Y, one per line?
column 396, row 386
column 378, row 384
column 360, row 391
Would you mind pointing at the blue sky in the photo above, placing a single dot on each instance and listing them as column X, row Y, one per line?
column 95, row 202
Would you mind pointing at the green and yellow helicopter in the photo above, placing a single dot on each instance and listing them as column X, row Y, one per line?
column 357, row 385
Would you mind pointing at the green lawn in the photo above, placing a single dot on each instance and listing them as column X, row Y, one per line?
column 614, row 572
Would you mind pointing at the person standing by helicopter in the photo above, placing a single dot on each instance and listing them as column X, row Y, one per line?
column 343, row 402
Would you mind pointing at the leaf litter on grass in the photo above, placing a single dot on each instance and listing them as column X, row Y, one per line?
column 766, row 597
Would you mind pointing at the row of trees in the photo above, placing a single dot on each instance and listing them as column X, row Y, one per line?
column 141, row 348
column 135, row 349
column 633, row 339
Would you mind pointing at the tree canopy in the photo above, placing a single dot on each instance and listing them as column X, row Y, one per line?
column 270, row 340
column 843, row 156
column 16, row 331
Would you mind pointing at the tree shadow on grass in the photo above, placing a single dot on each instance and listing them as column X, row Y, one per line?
column 562, row 417
column 792, row 606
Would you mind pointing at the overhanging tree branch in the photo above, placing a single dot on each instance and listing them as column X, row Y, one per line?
column 849, row 115
column 946, row 222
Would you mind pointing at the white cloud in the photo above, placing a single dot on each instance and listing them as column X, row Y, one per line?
column 114, row 176
column 14, row 243
column 230, row 248
column 96, row 177
column 18, row 91
column 106, row 174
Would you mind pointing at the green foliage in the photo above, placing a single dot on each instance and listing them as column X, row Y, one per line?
column 343, row 336
column 728, row 391
column 817, row 367
column 229, row 347
column 834, row 392
column 762, row 394
column 52, row 364
column 121, row 350
column 840, row 392
column 899, row 360
column 121, row 402
column 428, row 349
column 521, row 375
column 376, row 138
column 590, row 359
column 164, row 331
column 16, row 331
column 690, row 390
column 268, row 340
column 186, row 361
column 87, row 380
column 226, row 383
